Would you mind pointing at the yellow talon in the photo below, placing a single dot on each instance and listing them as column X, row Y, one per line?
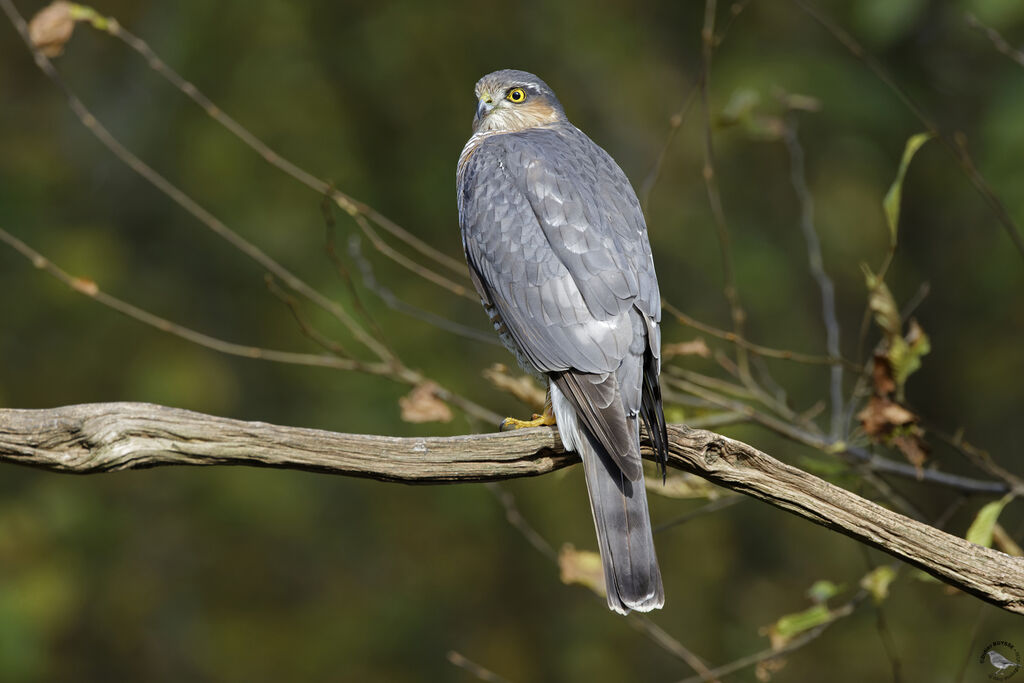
column 545, row 420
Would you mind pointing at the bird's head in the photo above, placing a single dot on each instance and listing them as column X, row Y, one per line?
column 510, row 100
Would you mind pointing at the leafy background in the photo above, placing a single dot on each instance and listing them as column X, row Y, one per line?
column 248, row 575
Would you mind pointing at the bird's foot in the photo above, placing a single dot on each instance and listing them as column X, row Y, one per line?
column 545, row 420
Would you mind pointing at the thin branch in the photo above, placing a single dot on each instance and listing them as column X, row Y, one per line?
column 391, row 300
column 957, row 145
column 92, row 290
column 348, row 204
column 706, row 509
column 798, row 178
column 675, row 121
column 998, row 41
column 795, row 644
column 758, row 349
column 392, row 370
column 459, row 660
column 854, row 454
column 183, row 200
column 516, row 519
column 643, row 623
column 106, row 437
column 714, row 195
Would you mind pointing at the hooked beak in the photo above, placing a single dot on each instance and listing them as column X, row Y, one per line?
column 483, row 106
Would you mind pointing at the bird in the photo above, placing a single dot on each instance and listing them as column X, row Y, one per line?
column 557, row 248
column 1000, row 662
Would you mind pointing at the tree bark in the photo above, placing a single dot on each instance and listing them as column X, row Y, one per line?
column 107, row 437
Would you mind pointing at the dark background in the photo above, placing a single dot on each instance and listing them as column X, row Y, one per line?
column 234, row 574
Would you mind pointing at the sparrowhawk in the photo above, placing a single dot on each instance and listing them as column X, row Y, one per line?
column 558, row 250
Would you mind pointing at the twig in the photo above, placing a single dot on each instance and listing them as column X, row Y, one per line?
column 472, row 667
column 643, row 623
column 758, row 349
column 675, row 121
column 998, row 41
column 108, row 437
column 706, row 509
column 828, row 295
column 92, row 290
column 392, row 370
column 856, row 454
column 392, row 301
column 186, row 202
column 714, row 196
column 516, row 519
column 795, row 644
column 351, row 206
column 957, row 146
column 640, row 622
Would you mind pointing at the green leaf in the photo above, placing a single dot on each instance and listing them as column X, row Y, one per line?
column 877, row 582
column 891, row 203
column 980, row 531
column 821, row 591
column 790, row 625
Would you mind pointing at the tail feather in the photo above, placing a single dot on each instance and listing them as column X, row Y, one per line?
column 619, row 506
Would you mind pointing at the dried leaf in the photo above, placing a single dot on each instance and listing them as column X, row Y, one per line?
column 881, row 376
column 791, row 625
column 422, row 405
column 893, row 198
column 523, row 387
column 694, row 347
column 902, row 353
column 886, row 421
column 683, row 485
column 910, row 443
column 881, row 416
column 982, row 527
column 51, row 28
column 581, row 566
column 877, row 582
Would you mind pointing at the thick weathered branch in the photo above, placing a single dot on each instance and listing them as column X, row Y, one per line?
column 106, row 437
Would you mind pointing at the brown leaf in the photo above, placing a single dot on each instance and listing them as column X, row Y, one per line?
column 881, row 415
column 694, row 347
column 913, row 447
column 881, row 375
column 50, row 29
column 582, row 567
column 522, row 387
column 422, row 405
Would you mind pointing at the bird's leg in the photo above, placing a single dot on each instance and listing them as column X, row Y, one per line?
column 545, row 419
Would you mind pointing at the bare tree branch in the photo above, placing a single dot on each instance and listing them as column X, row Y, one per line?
column 105, row 437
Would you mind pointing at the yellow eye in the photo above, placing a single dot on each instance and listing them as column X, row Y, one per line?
column 516, row 95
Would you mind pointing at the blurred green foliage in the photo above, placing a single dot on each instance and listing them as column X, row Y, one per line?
column 252, row 575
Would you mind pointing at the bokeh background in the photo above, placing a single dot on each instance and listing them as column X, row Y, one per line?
column 233, row 574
